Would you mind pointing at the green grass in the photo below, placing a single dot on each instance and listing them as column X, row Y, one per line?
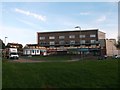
column 51, row 57
column 81, row 74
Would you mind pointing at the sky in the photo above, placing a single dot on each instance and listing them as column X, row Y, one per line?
column 20, row 21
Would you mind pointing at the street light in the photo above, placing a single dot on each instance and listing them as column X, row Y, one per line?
column 80, row 38
column 78, row 27
column 5, row 40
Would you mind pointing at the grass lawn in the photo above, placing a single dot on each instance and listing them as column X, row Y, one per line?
column 80, row 74
column 51, row 57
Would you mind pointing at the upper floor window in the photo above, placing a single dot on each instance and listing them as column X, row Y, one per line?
column 61, row 37
column 92, row 41
column 42, row 43
column 82, row 36
column 42, row 38
column 82, row 41
column 72, row 36
column 72, row 42
column 52, row 43
column 92, row 35
column 61, row 42
column 51, row 37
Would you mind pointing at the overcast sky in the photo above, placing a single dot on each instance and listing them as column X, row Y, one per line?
column 22, row 20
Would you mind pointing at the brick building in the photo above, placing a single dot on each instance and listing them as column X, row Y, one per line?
column 77, row 41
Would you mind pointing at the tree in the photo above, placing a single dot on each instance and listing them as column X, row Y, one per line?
column 2, row 45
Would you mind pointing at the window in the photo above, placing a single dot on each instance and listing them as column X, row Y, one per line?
column 51, row 37
column 92, row 35
column 72, row 36
column 82, row 36
column 82, row 41
column 32, row 51
column 61, row 37
column 42, row 38
column 42, row 43
column 37, row 51
column 52, row 43
column 92, row 41
column 72, row 42
column 61, row 42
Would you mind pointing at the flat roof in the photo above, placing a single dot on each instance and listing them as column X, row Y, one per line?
column 102, row 32
column 59, row 31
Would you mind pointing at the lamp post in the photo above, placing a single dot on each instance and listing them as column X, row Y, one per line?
column 80, row 38
column 5, row 40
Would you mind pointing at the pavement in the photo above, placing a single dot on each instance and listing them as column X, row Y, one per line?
column 22, row 60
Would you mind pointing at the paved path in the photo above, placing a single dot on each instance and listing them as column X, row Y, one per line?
column 21, row 60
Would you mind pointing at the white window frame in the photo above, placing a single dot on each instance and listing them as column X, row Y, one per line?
column 92, row 41
column 61, row 37
column 42, row 38
column 72, row 42
column 82, row 41
column 82, row 36
column 92, row 35
column 72, row 36
column 51, row 37
column 37, row 51
column 52, row 42
column 61, row 42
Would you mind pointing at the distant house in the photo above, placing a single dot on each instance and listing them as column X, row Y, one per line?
column 33, row 49
column 16, row 45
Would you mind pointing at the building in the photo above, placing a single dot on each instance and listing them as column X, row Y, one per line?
column 111, row 47
column 113, row 41
column 16, row 45
column 34, row 49
column 77, row 41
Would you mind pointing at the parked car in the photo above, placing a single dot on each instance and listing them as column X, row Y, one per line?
column 105, row 56
column 116, row 56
